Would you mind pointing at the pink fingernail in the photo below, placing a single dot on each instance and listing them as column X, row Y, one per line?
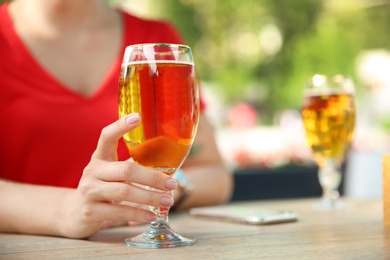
column 171, row 184
column 166, row 200
column 133, row 118
column 150, row 216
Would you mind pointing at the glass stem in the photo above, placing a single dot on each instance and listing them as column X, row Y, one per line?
column 162, row 215
column 159, row 225
column 330, row 178
column 159, row 234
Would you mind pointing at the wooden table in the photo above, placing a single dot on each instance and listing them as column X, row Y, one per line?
column 356, row 233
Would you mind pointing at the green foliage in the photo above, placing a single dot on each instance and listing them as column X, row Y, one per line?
column 318, row 37
column 262, row 51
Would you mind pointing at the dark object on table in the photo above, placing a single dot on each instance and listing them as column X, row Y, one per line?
column 290, row 181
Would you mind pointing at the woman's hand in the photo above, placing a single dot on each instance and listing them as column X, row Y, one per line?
column 105, row 181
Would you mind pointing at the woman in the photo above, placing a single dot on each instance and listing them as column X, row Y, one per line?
column 62, row 158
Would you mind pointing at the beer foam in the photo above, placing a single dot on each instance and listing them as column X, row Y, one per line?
column 157, row 61
column 326, row 92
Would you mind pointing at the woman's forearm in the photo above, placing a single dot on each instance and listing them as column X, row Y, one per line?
column 80, row 212
column 31, row 209
column 212, row 185
column 204, row 167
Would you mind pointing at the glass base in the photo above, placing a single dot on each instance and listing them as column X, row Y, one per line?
column 159, row 235
column 329, row 205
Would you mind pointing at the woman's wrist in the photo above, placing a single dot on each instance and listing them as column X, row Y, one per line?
column 184, row 190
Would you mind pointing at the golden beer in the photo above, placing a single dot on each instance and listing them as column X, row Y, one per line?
column 166, row 97
column 329, row 121
column 157, row 80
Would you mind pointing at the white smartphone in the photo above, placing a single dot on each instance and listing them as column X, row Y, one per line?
column 245, row 214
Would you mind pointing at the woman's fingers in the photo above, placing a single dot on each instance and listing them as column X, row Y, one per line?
column 128, row 171
column 126, row 192
column 124, row 171
column 116, row 213
column 105, row 180
column 107, row 144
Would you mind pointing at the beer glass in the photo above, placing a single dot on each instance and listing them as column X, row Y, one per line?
column 328, row 114
column 158, row 82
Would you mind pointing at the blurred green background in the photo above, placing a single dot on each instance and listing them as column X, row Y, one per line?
column 262, row 51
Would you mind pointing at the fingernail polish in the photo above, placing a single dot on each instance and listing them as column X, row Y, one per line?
column 150, row 216
column 171, row 184
column 166, row 200
column 133, row 118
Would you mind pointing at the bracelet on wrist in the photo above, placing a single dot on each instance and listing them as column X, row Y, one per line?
column 185, row 186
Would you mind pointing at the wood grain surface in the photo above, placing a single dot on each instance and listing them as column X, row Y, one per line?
column 358, row 232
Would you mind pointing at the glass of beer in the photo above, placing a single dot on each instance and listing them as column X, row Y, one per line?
column 158, row 82
column 328, row 114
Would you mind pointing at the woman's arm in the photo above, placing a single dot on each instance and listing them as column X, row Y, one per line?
column 212, row 181
column 79, row 213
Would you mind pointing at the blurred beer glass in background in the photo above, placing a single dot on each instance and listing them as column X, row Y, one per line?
column 328, row 113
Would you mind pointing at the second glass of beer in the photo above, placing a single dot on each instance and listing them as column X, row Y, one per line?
column 328, row 114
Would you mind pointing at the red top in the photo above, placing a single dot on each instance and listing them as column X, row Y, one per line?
column 48, row 132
